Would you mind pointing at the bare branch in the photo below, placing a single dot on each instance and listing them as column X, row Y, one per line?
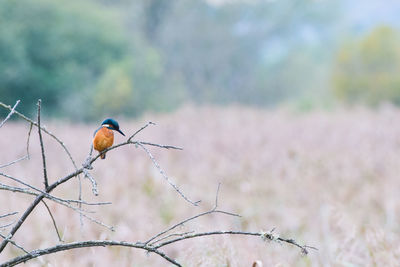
column 75, row 174
column 17, row 189
column 141, row 129
column 7, row 225
column 92, row 180
column 85, row 244
column 21, row 220
column 213, row 210
column 13, row 162
column 260, row 234
column 171, row 235
column 206, row 234
column 155, row 249
column 47, row 132
column 9, row 114
column 158, row 241
column 157, row 145
column 47, row 195
column 54, row 221
column 165, row 175
column 64, row 202
column 44, row 130
column 15, row 244
column 21, row 182
column 46, row 182
column 216, row 196
column 8, row 214
column 32, row 206
column 83, row 214
column 37, row 201
column 30, row 186
column 272, row 236
column 28, row 139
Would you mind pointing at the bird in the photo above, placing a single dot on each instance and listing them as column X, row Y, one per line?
column 104, row 136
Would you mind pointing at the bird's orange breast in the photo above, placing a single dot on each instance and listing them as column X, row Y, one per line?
column 103, row 139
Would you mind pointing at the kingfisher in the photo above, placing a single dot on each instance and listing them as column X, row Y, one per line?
column 104, row 136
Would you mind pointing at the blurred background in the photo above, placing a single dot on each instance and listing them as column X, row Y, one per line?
column 86, row 59
column 290, row 104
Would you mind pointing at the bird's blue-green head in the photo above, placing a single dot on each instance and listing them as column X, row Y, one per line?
column 112, row 124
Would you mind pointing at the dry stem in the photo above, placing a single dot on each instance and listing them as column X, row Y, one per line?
column 153, row 244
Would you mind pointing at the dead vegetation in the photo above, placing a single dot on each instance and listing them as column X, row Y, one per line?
column 328, row 179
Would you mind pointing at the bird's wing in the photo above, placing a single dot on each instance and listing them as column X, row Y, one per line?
column 96, row 131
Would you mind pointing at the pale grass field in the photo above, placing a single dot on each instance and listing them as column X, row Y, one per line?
column 327, row 179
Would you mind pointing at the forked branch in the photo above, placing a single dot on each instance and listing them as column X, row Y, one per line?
column 153, row 245
column 76, row 173
column 164, row 238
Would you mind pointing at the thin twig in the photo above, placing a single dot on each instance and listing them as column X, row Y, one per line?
column 206, row 234
column 80, row 199
column 63, row 180
column 141, row 129
column 47, row 195
column 86, row 165
column 7, row 225
column 150, row 247
column 213, row 210
column 162, row 172
column 158, row 145
column 31, row 186
column 28, row 139
column 9, row 114
column 21, row 182
column 261, row 234
column 46, row 182
column 17, row 189
column 64, row 202
column 83, row 214
column 15, row 244
column 136, row 143
column 13, row 162
column 32, row 206
column 8, row 214
column 92, row 180
column 82, row 202
column 18, row 224
column 170, row 235
column 54, row 221
column 272, row 236
column 44, row 130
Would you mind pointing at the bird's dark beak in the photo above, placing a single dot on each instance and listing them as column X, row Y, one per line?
column 120, row 132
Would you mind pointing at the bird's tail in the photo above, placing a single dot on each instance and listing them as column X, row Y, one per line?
column 103, row 155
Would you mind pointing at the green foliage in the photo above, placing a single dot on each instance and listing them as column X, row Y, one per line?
column 133, row 86
column 113, row 92
column 52, row 49
column 367, row 70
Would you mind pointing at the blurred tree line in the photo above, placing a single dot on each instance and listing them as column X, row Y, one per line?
column 367, row 68
column 88, row 59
